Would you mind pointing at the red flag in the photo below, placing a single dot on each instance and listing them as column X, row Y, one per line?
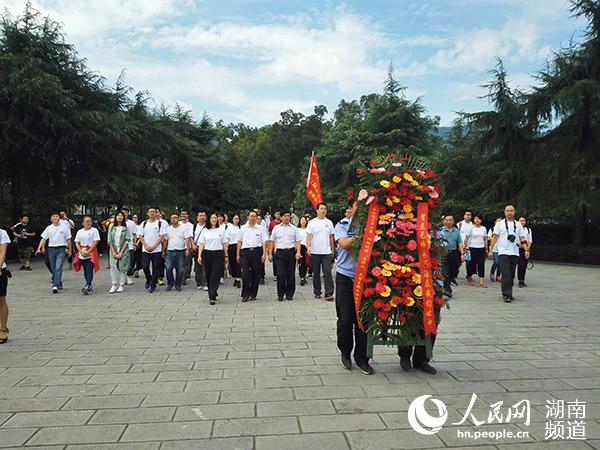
column 313, row 185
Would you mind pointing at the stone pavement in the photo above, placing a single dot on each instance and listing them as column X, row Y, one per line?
column 169, row 371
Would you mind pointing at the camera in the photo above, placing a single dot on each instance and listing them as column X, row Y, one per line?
column 511, row 237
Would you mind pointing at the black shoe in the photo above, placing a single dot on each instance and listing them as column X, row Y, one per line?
column 346, row 362
column 522, row 284
column 405, row 363
column 262, row 281
column 244, row 299
column 169, row 287
column 253, row 299
column 178, row 288
column 448, row 294
column 28, row 268
column 302, row 281
column 454, row 282
column 279, row 299
column 22, row 268
column 425, row 367
column 366, row 368
column 507, row 298
column 213, row 302
column 289, row 299
column 317, row 295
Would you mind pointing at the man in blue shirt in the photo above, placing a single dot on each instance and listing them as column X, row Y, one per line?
column 456, row 252
column 349, row 335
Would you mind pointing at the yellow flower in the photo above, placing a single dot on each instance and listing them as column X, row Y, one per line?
column 418, row 197
column 409, row 301
column 386, row 273
column 414, row 183
column 393, row 303
column 417, row 278
column 396, row 179
column 407, row 208
column 389, row 202
column 405, row 269
column 407, row 177
column 385, row 183
column 418, row 291
column 378, row 231
column 409, row 216
column 387, row 292
column 395, row 199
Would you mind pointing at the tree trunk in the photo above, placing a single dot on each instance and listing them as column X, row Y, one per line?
column 580, row 225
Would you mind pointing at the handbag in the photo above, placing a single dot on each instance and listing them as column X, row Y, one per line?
column 468, row 255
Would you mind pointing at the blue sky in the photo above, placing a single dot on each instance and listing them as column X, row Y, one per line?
column 245, row 61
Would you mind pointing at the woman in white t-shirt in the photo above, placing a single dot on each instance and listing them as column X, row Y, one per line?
column 233, row 233
column 302, row 267
column 476, row 242
column 4, row 241
column 212, row 248
column 86, row 241
column 523, row 261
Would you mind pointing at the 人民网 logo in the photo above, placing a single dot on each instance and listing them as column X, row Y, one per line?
column 421, row 421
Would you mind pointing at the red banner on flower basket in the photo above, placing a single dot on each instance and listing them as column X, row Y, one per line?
column 423, row 242
column 313, row 184
column 362, row 264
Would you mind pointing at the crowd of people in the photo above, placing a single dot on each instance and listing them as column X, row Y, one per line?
column 165, row 252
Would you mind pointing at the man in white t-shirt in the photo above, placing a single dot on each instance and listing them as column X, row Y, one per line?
column 151, row 233
column 320, row 246
column 184, row 221
column 4, row 275
column 176, row 247
column 57, row 238
column 132, row 228
column 251, row 254
column 165, row 224
column 66, row 221
column 508, row 233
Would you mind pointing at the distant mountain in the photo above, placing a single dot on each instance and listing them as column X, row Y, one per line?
column 442, row 132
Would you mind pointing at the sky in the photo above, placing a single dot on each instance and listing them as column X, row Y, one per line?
column 246, row 61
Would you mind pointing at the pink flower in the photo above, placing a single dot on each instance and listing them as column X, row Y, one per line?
column 362, row 195
column 370, row 199
column 397, row 164
column 378, row 170
column 376, row 271
column 412, row 245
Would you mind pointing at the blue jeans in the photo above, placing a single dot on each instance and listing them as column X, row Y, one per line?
column 495, row 270
column 56, row 257
column 88, row 271
column 175, row 259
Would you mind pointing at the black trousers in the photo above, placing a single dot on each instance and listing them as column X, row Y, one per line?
column 450, row 266
column 418, row 352
column 214, row 261
column 477, row 263
column 349, row 335
column 285, row 266
column 508, row 265
column 302, row 269
column 234, row 265
column 132, row 260
column 252, row 268
column 199, row 273
column 522, row 266
column 157, row 267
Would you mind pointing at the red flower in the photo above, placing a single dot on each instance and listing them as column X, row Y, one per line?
column 372, row 162
column 406, row 292
column 387, row 307
column 412, row 245
column 378, row 304
column 360, row 171
column 392, row 156
column 383, row 315
column 350, row 195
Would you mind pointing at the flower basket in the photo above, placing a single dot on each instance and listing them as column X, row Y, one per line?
column 397, row 289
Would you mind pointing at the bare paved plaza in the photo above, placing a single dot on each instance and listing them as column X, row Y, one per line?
column 170, row 371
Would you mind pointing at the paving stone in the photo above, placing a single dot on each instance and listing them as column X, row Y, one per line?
column 166, row 431
column 256, row 426
column 77, row 435
column 34, row 404
column 220, row 411
column 181, row 399
column 16, row 438
column 391, row 440
column 341, row 422
column 132, row 415
column 245, row 443
column 48, row 419
column 256, row 395
column 320, row 441
column 295, row 408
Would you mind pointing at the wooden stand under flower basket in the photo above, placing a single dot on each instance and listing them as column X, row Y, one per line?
column 391, row 338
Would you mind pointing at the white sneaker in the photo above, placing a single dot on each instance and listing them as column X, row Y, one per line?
column 129, row 280
column 222, row 280
column 120, row 289
column 54, row 290
column 113, row 289
column 205, row 288
column 199, row 288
